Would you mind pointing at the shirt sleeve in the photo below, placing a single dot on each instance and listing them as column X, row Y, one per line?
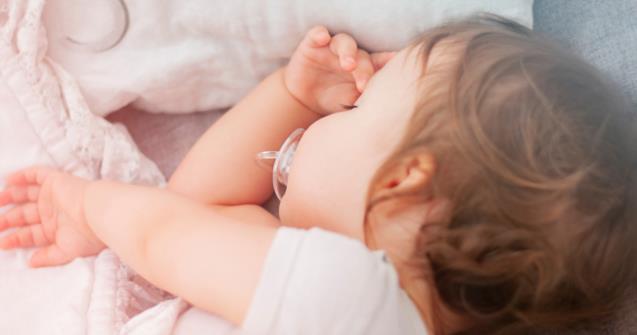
column 317, row 282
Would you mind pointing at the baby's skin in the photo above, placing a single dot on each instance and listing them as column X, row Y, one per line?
column 206, row 232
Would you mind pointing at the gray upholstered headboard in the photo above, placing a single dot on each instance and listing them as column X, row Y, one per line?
column 603, row 32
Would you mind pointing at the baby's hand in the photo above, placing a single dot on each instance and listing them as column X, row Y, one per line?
column 326, row 73
column 49, row 215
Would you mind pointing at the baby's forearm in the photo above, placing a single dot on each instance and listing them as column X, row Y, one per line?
column 208, row 255
column 221, row 167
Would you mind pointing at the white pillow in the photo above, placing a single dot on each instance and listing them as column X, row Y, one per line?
column 182, row 56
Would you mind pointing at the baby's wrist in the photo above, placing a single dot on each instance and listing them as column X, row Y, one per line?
column 299, row 98
column 87, row 206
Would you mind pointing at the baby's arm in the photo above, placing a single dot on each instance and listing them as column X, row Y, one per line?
column 323, row 74
column 221, row 167
column 209, row 255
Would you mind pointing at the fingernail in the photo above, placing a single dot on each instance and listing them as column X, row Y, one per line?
column 361, row 85
column 321, row 38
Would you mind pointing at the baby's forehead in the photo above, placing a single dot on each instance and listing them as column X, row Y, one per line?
column 393, row 86
column 400, row 67
column 443, row 53
column 417, row 65
column 401, row 79
column 413, row 59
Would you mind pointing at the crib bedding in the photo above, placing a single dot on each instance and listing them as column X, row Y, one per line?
column 206, row 54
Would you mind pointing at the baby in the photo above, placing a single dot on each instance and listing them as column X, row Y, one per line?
column 482, row 181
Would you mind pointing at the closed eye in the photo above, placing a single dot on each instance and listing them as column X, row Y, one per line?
column 349, row 107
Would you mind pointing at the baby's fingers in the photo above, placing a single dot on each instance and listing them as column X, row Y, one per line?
column 20, row 216
column 19, row 194
column 345, row 48
column 363, row 71
column 49, row 256
column 317, row 37
column 25, row 237
column 30, row 175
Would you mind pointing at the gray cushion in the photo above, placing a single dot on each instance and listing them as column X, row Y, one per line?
column 602, row 32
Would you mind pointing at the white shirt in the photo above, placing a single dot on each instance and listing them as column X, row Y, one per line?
column 317, row 282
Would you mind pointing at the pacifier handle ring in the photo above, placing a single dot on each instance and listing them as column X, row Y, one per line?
column 266, row 159
column 272, row 160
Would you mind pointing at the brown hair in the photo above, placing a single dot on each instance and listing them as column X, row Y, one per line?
column 534, row 152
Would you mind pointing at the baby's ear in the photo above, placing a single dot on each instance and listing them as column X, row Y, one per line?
column 412, row 175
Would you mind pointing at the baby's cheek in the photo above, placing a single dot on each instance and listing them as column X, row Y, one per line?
column 284, row 212
column 293, row 210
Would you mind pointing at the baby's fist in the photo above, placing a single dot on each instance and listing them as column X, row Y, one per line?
column 326, row 73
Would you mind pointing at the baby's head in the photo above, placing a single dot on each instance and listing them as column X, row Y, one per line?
column 497, row 171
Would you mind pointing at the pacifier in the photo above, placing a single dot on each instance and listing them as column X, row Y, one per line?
column 281, row 161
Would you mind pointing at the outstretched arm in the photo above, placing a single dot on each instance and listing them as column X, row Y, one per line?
column 323, row 74
column 209, row 255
